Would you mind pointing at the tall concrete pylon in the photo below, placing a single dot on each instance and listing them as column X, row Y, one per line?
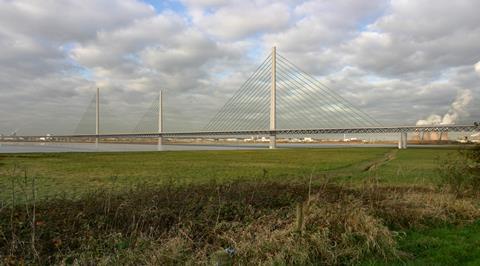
column 97, row 117
column 273, row 104
column 160, row 119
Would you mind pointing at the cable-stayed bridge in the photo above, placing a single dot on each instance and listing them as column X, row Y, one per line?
column 277, row 99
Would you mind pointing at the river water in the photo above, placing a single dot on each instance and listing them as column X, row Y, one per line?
column 29, row 147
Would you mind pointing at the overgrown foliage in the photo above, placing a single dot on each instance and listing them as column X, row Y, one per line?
column 234, row 223
column 461, row 172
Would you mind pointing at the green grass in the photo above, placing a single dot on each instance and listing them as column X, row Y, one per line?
column 445, row 245
column 73, row 174
column 418, row 166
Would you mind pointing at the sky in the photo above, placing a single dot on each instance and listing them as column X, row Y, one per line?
column 402, row 62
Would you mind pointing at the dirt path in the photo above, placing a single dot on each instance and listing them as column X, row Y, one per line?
column 375, row 164
column 364, row 166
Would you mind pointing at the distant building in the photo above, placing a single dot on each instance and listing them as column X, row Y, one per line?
column 429, row 136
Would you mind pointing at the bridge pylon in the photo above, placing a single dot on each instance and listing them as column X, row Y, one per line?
column 97, row 117
column 160, row 120
column 273, row 103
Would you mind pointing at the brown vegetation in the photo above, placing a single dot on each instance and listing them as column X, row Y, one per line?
column 239, row 223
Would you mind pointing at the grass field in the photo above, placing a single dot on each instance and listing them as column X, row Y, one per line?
column 371, row 206
column 75, row 173
column 442, row 245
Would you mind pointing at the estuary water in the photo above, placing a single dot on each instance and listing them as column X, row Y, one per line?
column 30, row 147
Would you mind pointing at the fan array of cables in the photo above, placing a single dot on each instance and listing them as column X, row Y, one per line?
column 302, row 102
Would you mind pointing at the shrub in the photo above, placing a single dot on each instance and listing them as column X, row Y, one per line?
column 460, row 173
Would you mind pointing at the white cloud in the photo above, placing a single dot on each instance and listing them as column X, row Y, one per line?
column 241, row 19
column 69, row 20
column 321, row 27
column 204, row 3
column 400, row 61
column 420, row 37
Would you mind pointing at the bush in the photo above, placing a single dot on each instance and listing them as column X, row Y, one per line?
column 461, row 172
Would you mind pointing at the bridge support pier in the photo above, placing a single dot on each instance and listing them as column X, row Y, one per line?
column 160, row 144
column 273, row 141
column 402, row 142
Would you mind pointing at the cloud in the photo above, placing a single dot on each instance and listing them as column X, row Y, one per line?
column 416, row 36
column 395, row 73
column 37, row 76
column 69, row 20
column 157, row 51
column 400, row 61
column 162, row 51
column 239, row 19
column 320, row 28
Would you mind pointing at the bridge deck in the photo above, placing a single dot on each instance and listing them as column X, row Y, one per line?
column 397, row 129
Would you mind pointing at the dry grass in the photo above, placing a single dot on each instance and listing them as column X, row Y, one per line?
column 414, row 209
column 334, row 233
column 256, row 222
